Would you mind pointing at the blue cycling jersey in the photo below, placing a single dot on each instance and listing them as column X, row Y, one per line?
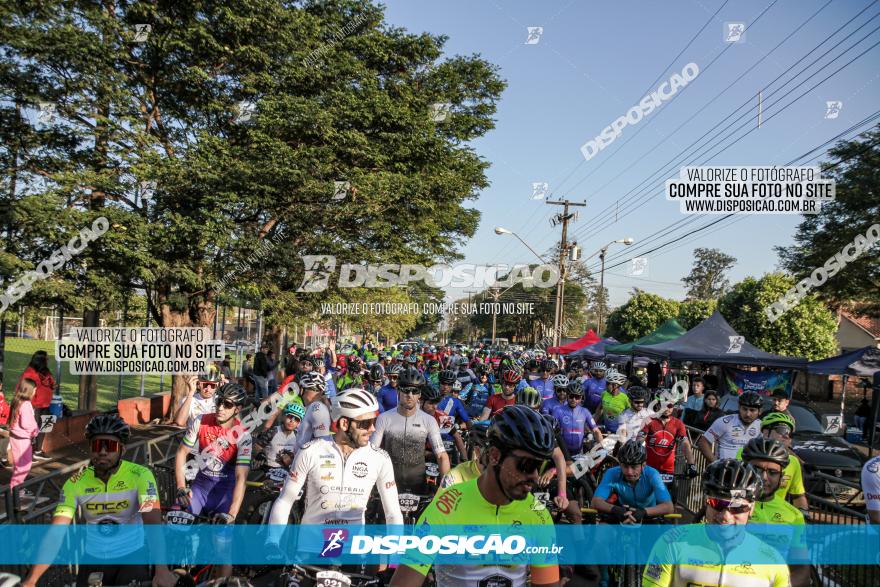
column 550, row 404
column 477, row 399
column 455, row 408
column 387, row 397
column 647, row 492
column 544, row 386
column 574, row 423
column 593, row 390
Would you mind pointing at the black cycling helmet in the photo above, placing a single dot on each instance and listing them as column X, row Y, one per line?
column 730, row 478
column 109, row 424
column 447, row 377
column 632, row 452
column 430, row 394
column 519, row 427
column 377, row 373
column 411, row 378
column 764, row 449
column 575, row 387
column 750, row 399
column 231, row 392
column 637, row 393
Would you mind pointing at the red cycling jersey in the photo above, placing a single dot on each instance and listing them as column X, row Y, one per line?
column 497, row 402
column 661, row 439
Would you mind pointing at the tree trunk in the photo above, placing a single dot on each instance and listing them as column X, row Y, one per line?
column 200, row 313
column 88, row 384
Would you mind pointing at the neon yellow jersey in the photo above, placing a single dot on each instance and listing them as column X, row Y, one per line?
column 459, row 474
column 463, row 504
column 792, row 477
column 128, row 492
column 696, row 546
column 779, row 511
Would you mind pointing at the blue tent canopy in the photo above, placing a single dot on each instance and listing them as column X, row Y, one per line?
column 595, row 350
column 863, row 362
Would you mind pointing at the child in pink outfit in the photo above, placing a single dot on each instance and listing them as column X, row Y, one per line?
column 23, row 429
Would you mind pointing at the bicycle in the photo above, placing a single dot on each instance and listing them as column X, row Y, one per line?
column 269, row 489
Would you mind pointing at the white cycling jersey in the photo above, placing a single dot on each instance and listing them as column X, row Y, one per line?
column 199, row 406
column 337, row 488
column 871, row 483
column 730, row 434
column 281, row 440
column 405, row 438
column 631, row 423
column 315, row 424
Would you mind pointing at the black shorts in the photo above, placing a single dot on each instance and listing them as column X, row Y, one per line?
column 116, row 572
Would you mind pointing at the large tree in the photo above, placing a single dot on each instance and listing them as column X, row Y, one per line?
column 243, row 114
column 692, row 312
column 855, row 169
column 707, row 279
column 807, row 330
column 640, row 315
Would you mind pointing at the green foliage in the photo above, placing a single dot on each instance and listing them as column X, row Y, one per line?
column 807, row 330
column 707, row 281
column 692, row 312
column 855, row 168
column 640, row 315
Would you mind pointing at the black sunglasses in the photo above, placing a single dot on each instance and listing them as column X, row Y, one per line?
column 411, row 390
column 527, row 465
column 229, row 405
column 363, row 424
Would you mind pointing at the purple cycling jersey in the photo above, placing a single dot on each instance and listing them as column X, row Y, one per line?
column 575, row 423
column 593, row 390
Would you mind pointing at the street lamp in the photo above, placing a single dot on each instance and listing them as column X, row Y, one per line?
column 624, row 241
column 499, row 230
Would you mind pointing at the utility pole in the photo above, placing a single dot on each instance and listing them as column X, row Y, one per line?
column 469, row 292
column 563, row 251
column 495, row 295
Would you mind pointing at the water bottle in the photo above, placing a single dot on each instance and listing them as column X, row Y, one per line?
column 55, row 407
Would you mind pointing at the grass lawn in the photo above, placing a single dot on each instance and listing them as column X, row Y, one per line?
column 18, row 355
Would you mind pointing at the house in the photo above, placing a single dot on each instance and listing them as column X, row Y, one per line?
column 855, row 332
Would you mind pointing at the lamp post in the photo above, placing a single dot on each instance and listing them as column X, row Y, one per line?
column 499, row 230
column 624, row 241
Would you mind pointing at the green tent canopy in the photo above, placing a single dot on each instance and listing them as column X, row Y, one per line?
column 667, row 331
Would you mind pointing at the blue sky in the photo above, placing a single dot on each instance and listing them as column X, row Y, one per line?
column 594, row 61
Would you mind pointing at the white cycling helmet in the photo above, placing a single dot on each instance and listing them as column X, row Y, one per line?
column 598, row 366
column 614, row 376
column 560, row 381
column 354, row 402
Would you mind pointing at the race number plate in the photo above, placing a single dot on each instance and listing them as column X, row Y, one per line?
column 408, row 502
column 432, row 469
column 667, row 477
column 179, row 518
column 277, row 474
column 331, row 579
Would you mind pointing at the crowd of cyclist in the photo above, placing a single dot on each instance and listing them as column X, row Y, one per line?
column 354, row 433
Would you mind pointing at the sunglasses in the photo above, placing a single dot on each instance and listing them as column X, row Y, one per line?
column 107, row 444
column 393, row 377
column 575, row 396
column 229, row 405
column 293, row 416
column 527, row 465
column 364, row 424
column 411, row 391
column 722, row 505
column 782, row 430
column 771, row 473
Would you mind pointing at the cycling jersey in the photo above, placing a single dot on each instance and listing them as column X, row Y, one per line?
column 612, row 407
column 477, row 400
column 459, row 474
column 575, row 422
column 454, row 407
column 647, row 492
column 387, row 397
column 544, row 387
column 707, row 567
column 199, row 406
column 792, row 477
column 630, row 423
column 404, row 437
column 281, row 440
column 464, row 504
column 549, row 405
column 315, row 424
column 730, row 434
column 221, row 448
column 337, row 488
column 871, row 484
column 130, row 490
column 496, row 403
column 593, row 390
column 660, row 440
column 347, row 381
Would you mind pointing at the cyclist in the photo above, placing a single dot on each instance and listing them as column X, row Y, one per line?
column 433, row 374
column 388, row 393
column 662, row 435
column 281, row 447
column 551, row 404
column 338, row 473
column 449, row 430
column 352, row 376
column 375, row 379
column 122, row 493
column 478, row 439
column 544, row 383
column 633, row 491
column 510, row 378
column 316, row 421
column 634, row 418
column 731, row 488
column 871, row 489
column 770, row 458
column 223, row 459
column 199, row 398
column 733, row 431
column 520, row 440
column 404, row 431
column 575, row 420
column 595, row 386
column 479, row 395
column 614, row 401
column 451, row 404
column 779, row 426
